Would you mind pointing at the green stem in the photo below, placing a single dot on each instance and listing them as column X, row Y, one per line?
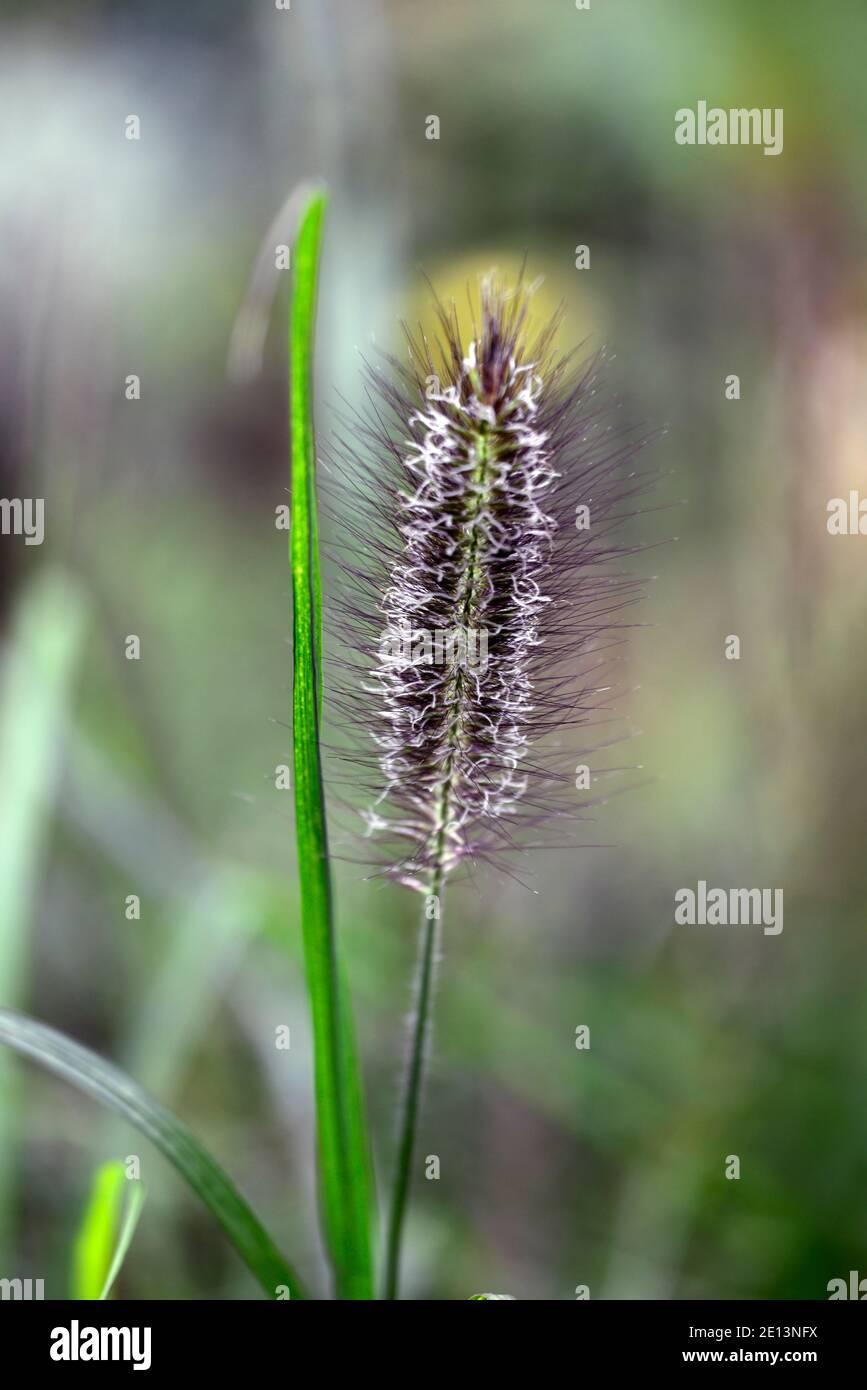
column 484, row 452
column 412, row 1088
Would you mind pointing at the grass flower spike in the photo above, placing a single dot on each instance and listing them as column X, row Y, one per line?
column 484, row 487
column 469, row 587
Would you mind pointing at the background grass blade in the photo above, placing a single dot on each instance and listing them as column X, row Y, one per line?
column 111, row 1087
column 39, row 669
column 342, row 1136
column 96, row 1235
column 107, row 1227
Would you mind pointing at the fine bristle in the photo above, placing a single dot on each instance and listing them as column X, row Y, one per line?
column 480, row 615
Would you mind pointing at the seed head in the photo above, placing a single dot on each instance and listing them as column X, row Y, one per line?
column 489, row 605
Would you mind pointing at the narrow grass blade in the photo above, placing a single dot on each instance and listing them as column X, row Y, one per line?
column 135, row 1198
column 107, row 1228
column 342, row 1136
column 111, row 1087
column 95, row 1240
column 39, row 666
column 304, row 534
column 38, row 672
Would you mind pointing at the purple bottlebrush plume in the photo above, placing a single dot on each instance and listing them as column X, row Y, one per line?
column 481, row 489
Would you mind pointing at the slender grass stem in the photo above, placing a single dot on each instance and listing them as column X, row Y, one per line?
column 410, row 1102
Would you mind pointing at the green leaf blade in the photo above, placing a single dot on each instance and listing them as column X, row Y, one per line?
column 105, row 1234
column 109, row 1086
column 96, row 1235
column 342, row 1133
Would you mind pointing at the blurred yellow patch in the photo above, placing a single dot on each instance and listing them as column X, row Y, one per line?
column 458, row 280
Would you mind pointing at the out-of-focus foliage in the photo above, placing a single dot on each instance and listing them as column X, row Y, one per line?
column 107, row 1227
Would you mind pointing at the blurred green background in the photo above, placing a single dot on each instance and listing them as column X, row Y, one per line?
column 155, row 777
